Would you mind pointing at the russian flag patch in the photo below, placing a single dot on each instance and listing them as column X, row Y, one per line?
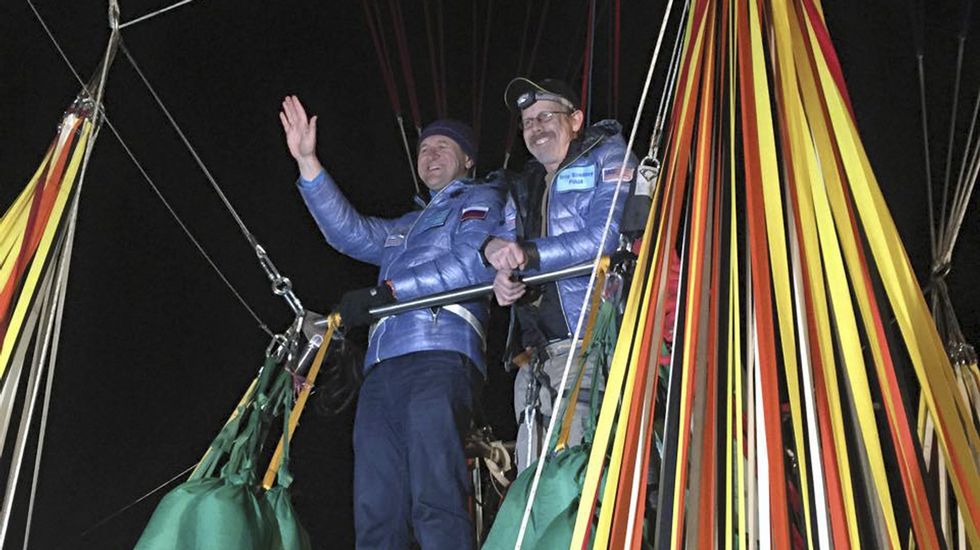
column 611, row 175
column 474, row 213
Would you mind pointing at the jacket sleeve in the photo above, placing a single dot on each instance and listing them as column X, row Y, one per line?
column 462, row 265
column 576, row 247
column 360, row 237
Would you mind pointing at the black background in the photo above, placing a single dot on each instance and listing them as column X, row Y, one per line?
column 156, row 351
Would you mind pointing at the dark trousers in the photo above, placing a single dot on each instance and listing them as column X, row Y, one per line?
column 410, row 472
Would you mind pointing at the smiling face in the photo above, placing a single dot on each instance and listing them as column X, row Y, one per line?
column 548, row 141
column 440, row 161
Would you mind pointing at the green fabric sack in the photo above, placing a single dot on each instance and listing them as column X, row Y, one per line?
column 231, row 510
column 211, row 513
column 292, row 535
column 552, row 517
column 552, row 520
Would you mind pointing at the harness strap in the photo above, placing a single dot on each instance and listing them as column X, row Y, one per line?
column 455, row 309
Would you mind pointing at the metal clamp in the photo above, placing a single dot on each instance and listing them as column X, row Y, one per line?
column 281, row 286
column 650, row 166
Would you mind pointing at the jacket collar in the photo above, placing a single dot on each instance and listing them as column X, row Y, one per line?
column 425, row 196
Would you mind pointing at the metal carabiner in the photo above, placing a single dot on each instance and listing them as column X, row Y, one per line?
column 276, row 348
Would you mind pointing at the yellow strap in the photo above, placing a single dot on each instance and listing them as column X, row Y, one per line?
column 270, row 473
column 24, row 299
column 775, row 228
column 735, row 366
column 617, row 371
column 234, row 415
column 14, row 221
column 956, row 438
column 570, row 402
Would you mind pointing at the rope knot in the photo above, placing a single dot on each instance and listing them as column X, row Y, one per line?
column 939, row 271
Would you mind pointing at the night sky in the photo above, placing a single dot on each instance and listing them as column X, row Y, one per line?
column 155, row 350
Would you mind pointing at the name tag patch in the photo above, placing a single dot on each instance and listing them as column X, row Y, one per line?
column 576, row 178
column 432, row 219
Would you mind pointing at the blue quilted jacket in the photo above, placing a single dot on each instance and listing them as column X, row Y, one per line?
column 579, row 199
column 422, row 252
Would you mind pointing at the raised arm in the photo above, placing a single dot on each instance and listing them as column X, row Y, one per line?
column 361, row 237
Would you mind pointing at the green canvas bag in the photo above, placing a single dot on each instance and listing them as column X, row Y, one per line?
column 553, row 514
column 231, row 510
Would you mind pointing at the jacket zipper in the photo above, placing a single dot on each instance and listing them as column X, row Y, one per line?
column 377, row 350
column 561, row 303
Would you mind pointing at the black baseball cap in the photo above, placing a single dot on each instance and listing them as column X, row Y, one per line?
column 523, row 92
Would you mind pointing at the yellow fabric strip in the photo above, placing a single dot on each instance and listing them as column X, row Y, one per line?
column 234, row 415
column 957, row 439
column 44, row 248
column 803, row 165
column 294, row 415
column 619, row 441
column 850, row 345
column 569, row 415
column 697, row 268
column 734, row 466
column 14, row 221
column 735, row 315
column 617, row 374
column 818, row 285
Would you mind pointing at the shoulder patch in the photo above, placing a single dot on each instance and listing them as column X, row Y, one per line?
column 576, row 178
column 395, row 239
column 474, row 213
column 611, row 174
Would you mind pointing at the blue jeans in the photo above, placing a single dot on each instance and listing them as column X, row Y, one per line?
column 410, row 472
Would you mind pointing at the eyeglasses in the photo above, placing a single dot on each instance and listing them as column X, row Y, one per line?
column 542, row 118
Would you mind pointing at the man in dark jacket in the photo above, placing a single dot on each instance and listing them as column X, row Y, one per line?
column 561, row 205
column 423, row 367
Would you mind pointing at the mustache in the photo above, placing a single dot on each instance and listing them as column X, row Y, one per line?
column 547, row 134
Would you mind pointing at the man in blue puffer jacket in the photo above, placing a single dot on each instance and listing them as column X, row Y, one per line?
column 423, row 368
column 560, row 206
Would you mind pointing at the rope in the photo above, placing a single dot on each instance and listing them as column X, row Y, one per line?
column 374, row 23
column 207, row 173
column 152, row 492
column 586, row 95
column 61, row 284
column 437, row 90
column 281, row 286
column 592, row 277
column 384, row 64
column 61, row 281
column 53, row 305
column 483, row 71
column 408, row 152
column 617, row 40
column 156, row 190
column 665, row 97
column 440, row 23
column 952, row 132
column 132, row 157
column 154, row 14
column 398, row 23
column 925, row 145
column 512, row 131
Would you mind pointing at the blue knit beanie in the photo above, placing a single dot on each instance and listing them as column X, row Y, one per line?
column 455, row 130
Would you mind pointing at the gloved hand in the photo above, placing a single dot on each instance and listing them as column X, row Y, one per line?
column 354, row 305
